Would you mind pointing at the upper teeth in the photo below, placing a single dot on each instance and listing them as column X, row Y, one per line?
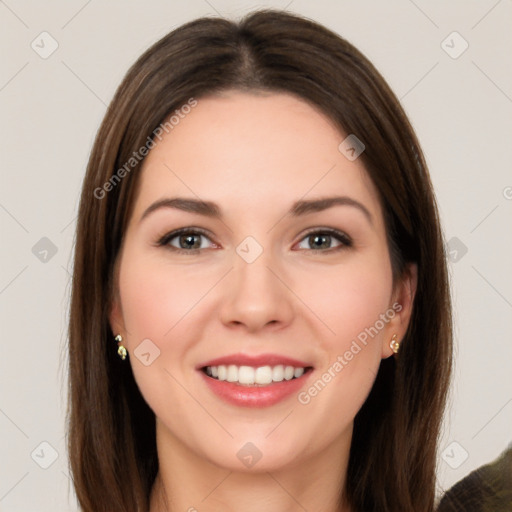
column 250, row 375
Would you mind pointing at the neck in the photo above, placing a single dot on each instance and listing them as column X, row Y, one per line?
column 188, row 482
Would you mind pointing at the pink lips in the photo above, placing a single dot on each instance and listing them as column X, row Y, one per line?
column 255, row 396
column 255, row 361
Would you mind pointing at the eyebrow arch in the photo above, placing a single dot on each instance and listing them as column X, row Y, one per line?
column 210, row 209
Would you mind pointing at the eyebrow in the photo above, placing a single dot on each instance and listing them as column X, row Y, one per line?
column 210, row 209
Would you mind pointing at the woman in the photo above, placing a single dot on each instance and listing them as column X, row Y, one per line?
column 260, row 310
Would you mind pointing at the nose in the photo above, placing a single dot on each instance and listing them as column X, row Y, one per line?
column 256, row 296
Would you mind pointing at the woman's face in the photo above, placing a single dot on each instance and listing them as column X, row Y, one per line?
column 264, row 272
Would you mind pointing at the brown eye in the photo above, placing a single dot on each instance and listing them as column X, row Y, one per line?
column 186, row 240
column 191, row 241
column 325, row 240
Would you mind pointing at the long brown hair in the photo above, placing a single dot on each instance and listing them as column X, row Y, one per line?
column 112, row 443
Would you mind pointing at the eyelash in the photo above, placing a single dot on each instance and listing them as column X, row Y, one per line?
column 344, row 239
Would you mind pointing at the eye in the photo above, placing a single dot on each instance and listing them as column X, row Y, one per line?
column 324, row 240
column 186, row 240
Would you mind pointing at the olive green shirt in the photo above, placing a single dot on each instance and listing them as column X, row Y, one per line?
column 487, row 489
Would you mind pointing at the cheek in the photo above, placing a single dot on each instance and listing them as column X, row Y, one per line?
column 162, row 304
column 157, row 302
column 155, row 297
column 351, row 302
column 351, row 298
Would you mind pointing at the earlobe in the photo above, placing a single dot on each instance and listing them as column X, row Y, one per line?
column 117, row 327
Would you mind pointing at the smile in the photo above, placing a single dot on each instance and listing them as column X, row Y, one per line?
column 255, row 386
column 249, row 376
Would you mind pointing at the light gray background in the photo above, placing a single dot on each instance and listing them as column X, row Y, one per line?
column 51, row 109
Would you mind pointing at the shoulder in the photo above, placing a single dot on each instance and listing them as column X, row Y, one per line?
column 486, row 489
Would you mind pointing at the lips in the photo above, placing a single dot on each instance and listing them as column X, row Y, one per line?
column 255, row 381
column 255, row 361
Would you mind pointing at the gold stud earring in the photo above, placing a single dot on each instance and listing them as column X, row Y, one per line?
column 121, row 351
column 394, row 344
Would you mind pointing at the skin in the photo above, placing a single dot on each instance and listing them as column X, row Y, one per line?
column 255, row 155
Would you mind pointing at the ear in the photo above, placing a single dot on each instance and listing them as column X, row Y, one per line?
column 402, row 304
column 115, row 316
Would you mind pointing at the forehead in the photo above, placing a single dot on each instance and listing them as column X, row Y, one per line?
column 253, row 149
